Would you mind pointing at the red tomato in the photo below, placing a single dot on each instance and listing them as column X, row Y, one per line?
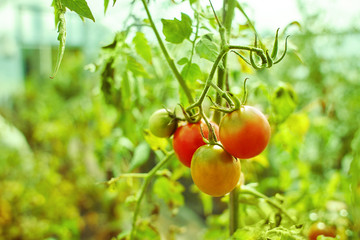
column 187, row 139
column 320, row 228
column 214, row 171
column 244, row 133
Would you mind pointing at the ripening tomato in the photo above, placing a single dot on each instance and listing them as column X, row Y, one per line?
column 161, row 124
column 320, row 228
column 187, row 139
column 244, row 133
column 214, row 171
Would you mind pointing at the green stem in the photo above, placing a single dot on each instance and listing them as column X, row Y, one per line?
column 219, row 86
column 222, row 53
column 193, row 42
column 169, row 60
column 143, row 188
column 258, row 51
column 212, row 139
column 249, row 21
column 234, row 194
column 246, row 190
column 209, row 79
column 234, row 210
column 231, row 4
column 222, row 94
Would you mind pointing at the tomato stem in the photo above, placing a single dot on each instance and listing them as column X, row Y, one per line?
column 212, row 136
column 149, row 176
column 169, row 60
column 233, row 201
column 234, row 210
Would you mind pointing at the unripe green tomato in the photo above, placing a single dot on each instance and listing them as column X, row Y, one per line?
column 161, row 124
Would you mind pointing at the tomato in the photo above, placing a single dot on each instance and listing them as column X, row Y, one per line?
column 320, row 228
column 244, row 133
column 214, row 171
column 161, row 124
column 187, row 139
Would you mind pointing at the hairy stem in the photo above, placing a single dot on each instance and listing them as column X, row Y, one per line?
column 234, row 194
column 169, row 60
column 209, row 79
column 141, row 193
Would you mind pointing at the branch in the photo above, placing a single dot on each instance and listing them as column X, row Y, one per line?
column 149, row 176
column 247, row 190
column 169, row 60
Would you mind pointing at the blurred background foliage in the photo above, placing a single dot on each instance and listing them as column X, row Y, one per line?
column 62, row 139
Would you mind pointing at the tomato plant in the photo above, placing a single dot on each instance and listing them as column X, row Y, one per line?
column 244, row 133
column 162, row 123
column 187, row 139
column 320, row 228
column 214, row 171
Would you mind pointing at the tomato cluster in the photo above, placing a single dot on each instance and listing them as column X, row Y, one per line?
column 215, row 168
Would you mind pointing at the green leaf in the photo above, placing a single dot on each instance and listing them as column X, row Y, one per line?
column 177, row 31
column 207, row 49
column 61, row 23
column 191, row 72
column 155, row 143
column 106, row 4
column 183, row 61
column 283, row 102
column 135, row 67
column 141, row 155
column 80, row 7
column 142, row 46
column 170, row 191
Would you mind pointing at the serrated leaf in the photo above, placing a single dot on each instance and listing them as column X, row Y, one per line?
column 155, row 143
column 170, row 191
column 284, row 101
column 56, row 12
column 207, row 49
column 142, row 46
column 183, row 61
column 191, row 72
column 141, row 155
column 176, row 31
column 135, row 67
column 80, row 7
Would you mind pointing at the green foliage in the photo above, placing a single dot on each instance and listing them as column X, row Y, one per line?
column 83, row 150
column 78, row 6
column 206, row 48
column 176, row 31
column 142, row 47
